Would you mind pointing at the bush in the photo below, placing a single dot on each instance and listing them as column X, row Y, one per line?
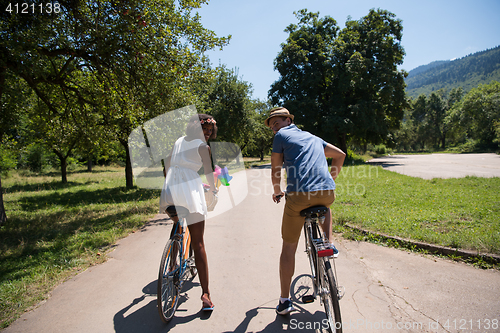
column 72, row 164
column 352, row 158
column 7, row 155
column 380, row 149
column 35, row 158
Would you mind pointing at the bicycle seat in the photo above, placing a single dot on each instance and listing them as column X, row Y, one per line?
column 315, row 211
column 180, row 211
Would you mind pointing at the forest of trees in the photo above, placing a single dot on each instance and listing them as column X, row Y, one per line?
column 74, row 84
column 466, row 73
column 452, row 120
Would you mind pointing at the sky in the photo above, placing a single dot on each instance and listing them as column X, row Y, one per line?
column 432, row 30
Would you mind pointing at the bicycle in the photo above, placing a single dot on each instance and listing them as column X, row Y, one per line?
column 177, row 265
column 319, row 252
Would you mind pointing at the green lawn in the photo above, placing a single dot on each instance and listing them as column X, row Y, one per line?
column 55, row 230
column 461, row 213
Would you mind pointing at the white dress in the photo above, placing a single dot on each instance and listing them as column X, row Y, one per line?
column 183, row 186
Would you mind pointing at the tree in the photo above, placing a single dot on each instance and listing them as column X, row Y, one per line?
column 478, row 113
column 419, row 120
column 61, row 131
column 6, row 119
column 111, row 64
column 406, row 138
column 343, row 84
column 229, row 102
column 430, row 119
column 437, row 113
column 260, row 139
column 305, row 64
column 13, row 100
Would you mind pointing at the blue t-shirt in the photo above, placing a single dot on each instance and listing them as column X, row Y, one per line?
column 304, row 160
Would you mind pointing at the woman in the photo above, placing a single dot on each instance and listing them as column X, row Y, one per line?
column 183, row 187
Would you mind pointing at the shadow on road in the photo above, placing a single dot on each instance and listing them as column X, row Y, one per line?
column 300, row 320
column 275, row 326
column 385, row 164
column 263, row 166
column 147, row 319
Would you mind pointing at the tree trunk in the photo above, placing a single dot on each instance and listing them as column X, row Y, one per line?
column 64, row 172
column 3, row 215
column 129, row 177
column 89, row 162
column 62, row 160
column 342, row 137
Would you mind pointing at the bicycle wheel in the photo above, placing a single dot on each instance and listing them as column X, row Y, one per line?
column 168, row 280
column 330, row 297
column 310, row 251
column 192, row 265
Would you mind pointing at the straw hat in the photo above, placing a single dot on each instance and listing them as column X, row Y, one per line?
column 278, row 112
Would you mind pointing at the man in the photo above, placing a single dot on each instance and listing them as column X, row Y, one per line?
column 309, row 183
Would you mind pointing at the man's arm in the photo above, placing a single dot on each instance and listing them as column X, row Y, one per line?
column 276, row 165
column 337, row 156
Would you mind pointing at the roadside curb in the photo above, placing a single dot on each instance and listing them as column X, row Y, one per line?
column 431, row 248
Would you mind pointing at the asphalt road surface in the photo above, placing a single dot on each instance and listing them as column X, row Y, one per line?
column 442, row 165
column 386, row 290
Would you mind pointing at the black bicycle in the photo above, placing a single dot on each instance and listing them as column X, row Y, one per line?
column 321, row 257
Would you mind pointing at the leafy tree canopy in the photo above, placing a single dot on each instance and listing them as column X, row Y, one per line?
column 478, row 113
column 343, row 84
column 101, row 68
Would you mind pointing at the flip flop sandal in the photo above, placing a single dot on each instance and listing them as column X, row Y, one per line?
column 207, row 306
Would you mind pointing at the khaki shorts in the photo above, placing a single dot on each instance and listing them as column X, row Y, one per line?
column 297, row 201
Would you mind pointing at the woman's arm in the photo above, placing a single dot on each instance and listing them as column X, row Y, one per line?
column 205, row 154
column 166, row 162
column 166, row 165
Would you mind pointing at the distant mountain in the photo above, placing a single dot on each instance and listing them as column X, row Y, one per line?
column 467, row 72
column 425, row 68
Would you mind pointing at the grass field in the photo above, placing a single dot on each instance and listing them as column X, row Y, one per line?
column 56, row 230
column 460, row 213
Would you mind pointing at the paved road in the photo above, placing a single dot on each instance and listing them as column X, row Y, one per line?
column 442, row 165
column 386, row 289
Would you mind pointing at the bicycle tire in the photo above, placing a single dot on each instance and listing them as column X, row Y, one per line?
column 310, row 252
column 192, row 268
column 168, row 282
column 331, row 298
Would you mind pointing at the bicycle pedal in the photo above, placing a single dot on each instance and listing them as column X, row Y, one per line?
column 308, row 299
column 340, row 292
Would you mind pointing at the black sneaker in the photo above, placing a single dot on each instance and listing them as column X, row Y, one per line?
column 284, row 308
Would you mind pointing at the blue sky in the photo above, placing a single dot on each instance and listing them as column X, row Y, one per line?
column 432, row 30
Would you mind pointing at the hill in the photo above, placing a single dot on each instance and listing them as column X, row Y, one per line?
column 467, row 72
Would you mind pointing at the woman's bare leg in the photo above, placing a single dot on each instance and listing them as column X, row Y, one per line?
column 197, row 231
